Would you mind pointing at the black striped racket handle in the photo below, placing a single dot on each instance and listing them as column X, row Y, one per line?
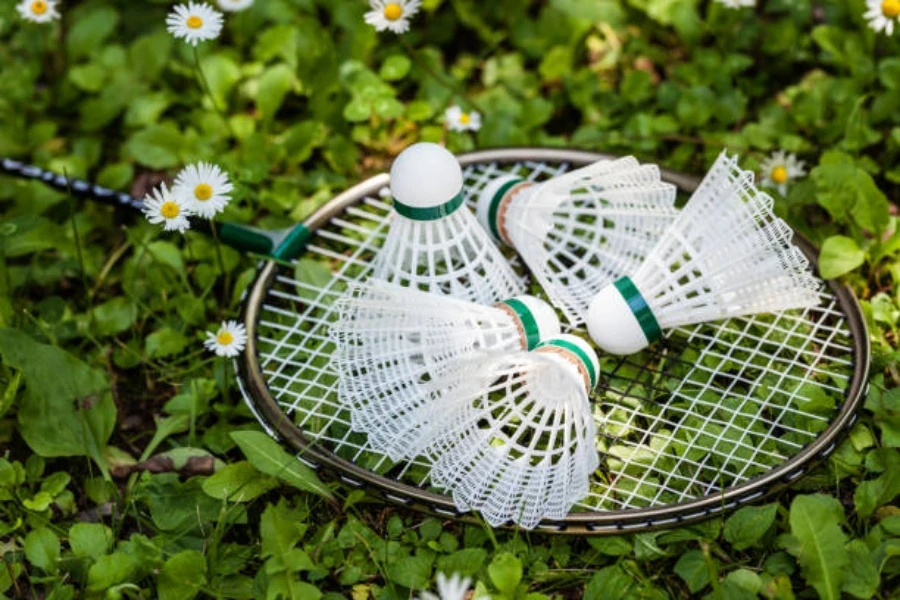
column 76, row 187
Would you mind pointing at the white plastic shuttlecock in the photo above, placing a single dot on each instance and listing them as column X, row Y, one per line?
column 517, row 440
column 725, row 255
column 582, row 230
column 395, row 344
column 434, row 242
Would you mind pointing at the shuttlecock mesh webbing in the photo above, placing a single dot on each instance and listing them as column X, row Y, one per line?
column 393, row 342
column 452, row 256
column 709, row 409
column 580, row 233
column 726, row 254
column 521, row 448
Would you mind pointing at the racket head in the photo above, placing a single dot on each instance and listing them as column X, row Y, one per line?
column 706, row 382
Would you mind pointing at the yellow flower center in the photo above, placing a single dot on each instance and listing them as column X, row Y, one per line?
column 779, row 174
column 39, row 7
column 393, row 11
column 891, row 8
column 194, row 22
column 170, row 209
column 464, row 118
column 225, row 338
column 203, row 192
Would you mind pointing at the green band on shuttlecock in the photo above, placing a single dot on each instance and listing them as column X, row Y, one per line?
column 529, row 323
column 494, row 207
column 639, row 307
column 578, row 352
column 430, row 213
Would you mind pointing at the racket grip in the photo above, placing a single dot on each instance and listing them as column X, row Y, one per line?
column 76, row 187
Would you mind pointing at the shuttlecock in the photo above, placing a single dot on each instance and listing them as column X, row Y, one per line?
column 395, row 344
column 725, row 255
column 434, row 242
column 581, row 230
column 517, row 440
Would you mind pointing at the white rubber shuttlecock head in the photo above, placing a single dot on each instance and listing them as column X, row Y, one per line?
column 582, row 230
column 726, row 255
column 393, row 343
column 521, row 448
column 434, row 242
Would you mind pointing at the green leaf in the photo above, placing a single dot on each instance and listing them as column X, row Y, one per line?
column 818, row 542
column 692, row 568
column 222, row 73
column 610, row 583
column 114, row 316
column 612, row 545
column 90, row 539
column 467, row 562
column 412, row 571
column 746, row 526
column 889, row 73
column 90, row 30
column 238, row 482
column 506, row 572
column 157, row 146
column 182, row 577
column 281, row 530
column 873, row 493
column 845, row 190
column 42, row 549
column 110, row 570
column 269, row 457
column 67, row 408
column 395, row 67
column 165, row 342
column 275, row 83
column 839, row 256
column 862, row 577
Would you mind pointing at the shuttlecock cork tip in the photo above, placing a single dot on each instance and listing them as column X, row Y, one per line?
column 575, row 352
column 619, row 319
column 426, row 182
column 489, row 203
column 537, row 319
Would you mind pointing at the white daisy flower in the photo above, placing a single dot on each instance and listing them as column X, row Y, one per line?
column 882, row 14
column 38, row 11
column 737, row 3
column 228, row 341
column 234, row 5
column 459, row 120
column 392, row 14
column 194, row 22
column 161, row 206
column 779, row 169
column 204, row 188
column 452, row 588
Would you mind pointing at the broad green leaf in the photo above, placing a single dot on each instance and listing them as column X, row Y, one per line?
column 238, row 482
column 157, row 146
column 839, row 256
column 872, row 493
column 395, row 67
column 222, row 74
column 610, row 583
column 412, row 571
column 275, row 83
column 467, row 562
column 91, row 30
column 67, row 409
column 746, row 526
column 818, row 542
column 42, row 549
column 862, row 577
column 269, row 457
column 692, row 568
column 506, row 572
column 114, row 316
column 611, row 545
column 281, row 529
column 112, row 569
column 165, row 342
column 183, row 576
column 90, row 539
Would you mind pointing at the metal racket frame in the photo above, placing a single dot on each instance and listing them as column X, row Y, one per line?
column 263, row 404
